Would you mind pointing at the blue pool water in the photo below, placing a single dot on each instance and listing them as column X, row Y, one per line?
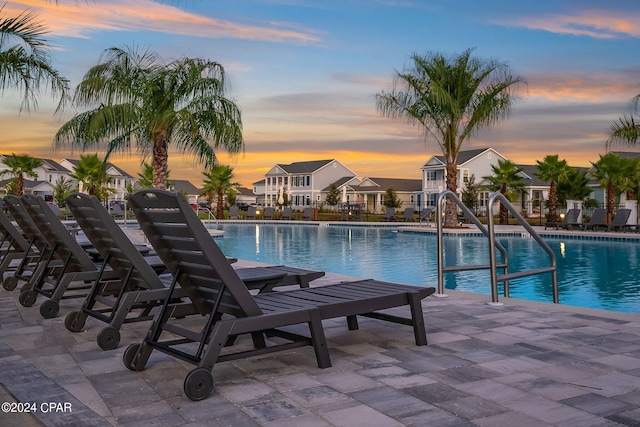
column 594, row 274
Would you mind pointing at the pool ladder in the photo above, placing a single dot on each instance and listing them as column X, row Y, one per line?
column 489, row 232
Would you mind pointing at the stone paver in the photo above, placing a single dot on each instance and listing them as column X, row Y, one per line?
column 523, row 364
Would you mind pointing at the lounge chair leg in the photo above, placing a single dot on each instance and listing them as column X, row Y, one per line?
column 419, row 332
column 352, row 323
column 319, row 340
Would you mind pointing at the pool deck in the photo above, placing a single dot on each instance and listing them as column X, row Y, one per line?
column 522, row 363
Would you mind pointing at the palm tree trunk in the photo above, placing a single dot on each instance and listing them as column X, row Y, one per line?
column 553, row 203
column 220, row 206
column 611, row 202
column 19, row 185
column 451, row 216
column 160, row 161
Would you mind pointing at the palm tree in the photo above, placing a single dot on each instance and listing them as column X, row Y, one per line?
column 508, row 181
column 450, row 99
column 145, row 103
column 552, row 170
column 63, row 188
column 616, row 174
column 20, row 165
column 575, row 186
column 25, row 63
column 218, row 182
column 146, row 177
column 627, row 128
column 91, row 173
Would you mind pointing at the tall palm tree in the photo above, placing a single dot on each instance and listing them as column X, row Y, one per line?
column 147, row 104
column 575, row 186
column 552, row 170
column 25, row 62
column 627, row 128
column 508, row 181
column 20, row 165
column 615, row 174
column 450, row 99
column 91, row 172
column 218, row 182
column 146, row 177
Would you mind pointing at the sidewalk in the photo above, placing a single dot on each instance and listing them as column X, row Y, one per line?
column 524, row 364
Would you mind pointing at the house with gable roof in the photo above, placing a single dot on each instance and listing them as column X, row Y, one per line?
column 476, row 162
column 371, row 192
column 303, row 182
column 121, row 179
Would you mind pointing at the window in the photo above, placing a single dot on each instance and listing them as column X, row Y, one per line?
column 286, row 180
column 308, row 180
column 465, row 175
column 432, row 175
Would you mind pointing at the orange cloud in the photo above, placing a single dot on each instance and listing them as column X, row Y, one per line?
column 80, row 20
column 599, row 24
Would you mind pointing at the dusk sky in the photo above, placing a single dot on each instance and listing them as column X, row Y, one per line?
column 305, row 72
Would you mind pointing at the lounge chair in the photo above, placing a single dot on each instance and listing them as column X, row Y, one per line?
column 117, row 211
column 426, row 215
column 140, row 288
column 390, row 214
column 619, row 221
column 570, row 219
column 234, row 212
column 229, row 310
column 408, row 214
column 251, row 213
column 268, row 213
column 307, row 214
column 287, row 213
column 14, row 248
column 598, row 220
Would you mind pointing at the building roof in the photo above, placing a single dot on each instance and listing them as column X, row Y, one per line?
column 304, row 167
column 74, row 162
column 398, row 184
column 244, row 191
column 465, row 156
column 531, row 179
column 55, row 165
column 184, row 186
column 627, row 154
column 339, row 182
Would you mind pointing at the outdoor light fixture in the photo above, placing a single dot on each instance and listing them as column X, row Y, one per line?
column 561, row 216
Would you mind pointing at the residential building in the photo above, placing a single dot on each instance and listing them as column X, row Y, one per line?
column 258, row 191
column 190, row 191
column 371, row 192
column 303, row 182
column 246, row 196
column 121, row 179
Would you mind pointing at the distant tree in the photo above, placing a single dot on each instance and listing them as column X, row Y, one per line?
column 391, row 199
column 91, row 174
column 552, row 170
column 575, row 186
column 333, row 195
column 138, row 100
column 471, row 193
column 218, row 181
column 614, row 173
column 19, row 166
column 146, row 177
column 232, row 197
column 507, row 180
column 25, row 60
column 129, row 190
column 451, row 99
column 627, row 128
column 63, row 188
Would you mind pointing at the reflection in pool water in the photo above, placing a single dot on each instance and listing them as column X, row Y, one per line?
column 591, row 274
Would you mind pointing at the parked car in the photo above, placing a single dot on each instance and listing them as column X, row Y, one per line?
column 242, row 206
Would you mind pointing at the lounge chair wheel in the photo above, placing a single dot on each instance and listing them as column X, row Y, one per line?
column 129, row 358
column 71, row 323
column 108, row 338
column 10, row 283
column 198, row 384
column 49, row 309
column 27, row 299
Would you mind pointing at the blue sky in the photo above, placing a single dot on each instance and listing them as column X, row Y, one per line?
column 305, row 73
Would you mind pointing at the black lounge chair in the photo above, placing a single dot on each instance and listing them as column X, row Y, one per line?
column 14, row 247
column 234, row 212
column 598, row 220
column 252, row 213
column 620, row 219
column 570, row 219
column 307, row 214
column 141, row 289
column 229, row 310
column 390, row 214
column 408, row 214
column 287, row 213
column 426, row 215
column 268, row 213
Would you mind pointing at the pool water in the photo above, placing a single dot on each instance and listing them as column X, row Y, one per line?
column 593, row 274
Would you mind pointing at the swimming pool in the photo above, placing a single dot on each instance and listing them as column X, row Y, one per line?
column 594, row 274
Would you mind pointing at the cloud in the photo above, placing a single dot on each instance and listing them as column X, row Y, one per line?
column 599, row 24
column 81, row 20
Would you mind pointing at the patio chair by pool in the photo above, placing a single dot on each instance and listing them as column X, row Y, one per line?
column 408, row 214
column 620, row 219
column 307, row 214
column 251, row 213
column 268, row 213
column 426, row 215
column 14, row 248
column 390, row 214
column 287, row 213
column 117, row 211
column 140, row 288
column 229, row 310
column 569, row 220
column 234, row 212
column 598, row 220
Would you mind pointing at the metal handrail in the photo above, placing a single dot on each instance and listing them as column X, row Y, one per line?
column 211, row 215
column 440, row 245
column 489, row 232
column 505, row 277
